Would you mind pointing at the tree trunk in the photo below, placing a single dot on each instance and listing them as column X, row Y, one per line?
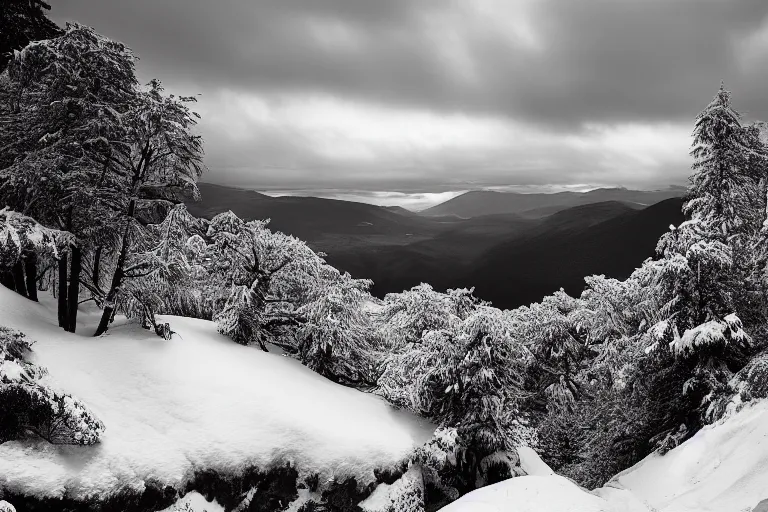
column 18, row 278
column 73, row 293
column 109, row 304
column 96, row 267
column 62, row 298
column 117, row 277
column 30, row 269
column 6, row 279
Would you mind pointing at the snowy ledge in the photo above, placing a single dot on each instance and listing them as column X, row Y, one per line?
column 199, row 402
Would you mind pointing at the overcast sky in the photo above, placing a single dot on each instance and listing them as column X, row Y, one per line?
column 408, row 101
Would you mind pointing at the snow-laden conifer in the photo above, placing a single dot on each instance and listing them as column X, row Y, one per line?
column 62, row 106
column 558, row 348
column 336, row 339
column 469, row 377
column 701, row 281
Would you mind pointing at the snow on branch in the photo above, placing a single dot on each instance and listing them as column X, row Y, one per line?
column 19, row 234
column 714, row 332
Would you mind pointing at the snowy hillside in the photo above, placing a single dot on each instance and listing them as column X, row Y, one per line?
column 723, row 468
column 195, row 402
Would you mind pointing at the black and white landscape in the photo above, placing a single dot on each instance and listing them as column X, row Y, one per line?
column 375, row 256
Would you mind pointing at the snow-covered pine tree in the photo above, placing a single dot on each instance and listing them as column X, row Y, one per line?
column 335, row 340
column 727, row 195
column 558, row 348
column 61, row 105
column 700, row 281
column 482, row 399
column 22, row 22
column 610, row 316
column 159, row 153
column 728, row 161
column 468, row 377
column 759, row 261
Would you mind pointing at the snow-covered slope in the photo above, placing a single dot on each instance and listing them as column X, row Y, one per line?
column 197, row 401
column 723, row 468
column 534, row 493
column 543, row 491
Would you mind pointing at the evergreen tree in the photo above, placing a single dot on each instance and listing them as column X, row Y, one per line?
column 335, row 338
column 702, row 281
column 558, row 349
column 724, row 192
column 62, row 109
column 469, row 377
column 21, row 22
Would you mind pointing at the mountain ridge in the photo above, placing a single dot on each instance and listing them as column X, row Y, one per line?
column 486, row 202
column 511, row 259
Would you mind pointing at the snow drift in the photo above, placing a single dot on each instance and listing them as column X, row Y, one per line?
column 195, row 402
column 723, row 468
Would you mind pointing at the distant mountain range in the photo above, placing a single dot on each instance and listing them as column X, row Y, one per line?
column 483, row 202
column 304, row 217
column 512, row 258
column 524, row 269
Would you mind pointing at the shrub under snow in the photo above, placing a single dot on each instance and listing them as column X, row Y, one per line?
column 405, row 495
column 27, row 406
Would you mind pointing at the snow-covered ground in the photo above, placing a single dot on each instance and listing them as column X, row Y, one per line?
column 534, row 493
column 197, row 401
column 723, row 468
column 193, row 502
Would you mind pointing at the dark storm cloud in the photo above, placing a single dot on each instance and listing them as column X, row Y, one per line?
column 594, row 60
column 444, row 95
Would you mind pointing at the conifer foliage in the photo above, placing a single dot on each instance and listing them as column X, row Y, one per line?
column 334, row 340
column 705, row 264
column 21, row 22
column 62, row 105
